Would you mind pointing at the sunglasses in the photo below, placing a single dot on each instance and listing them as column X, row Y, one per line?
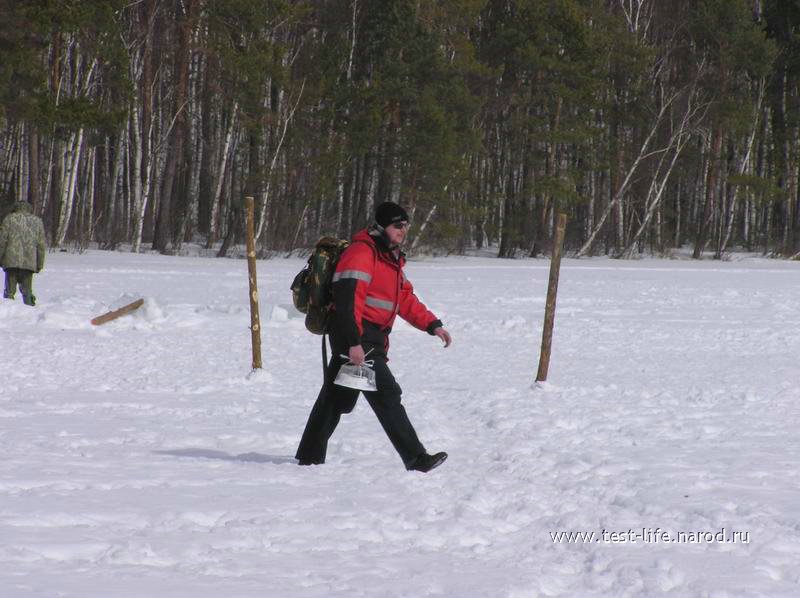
column 400, row 225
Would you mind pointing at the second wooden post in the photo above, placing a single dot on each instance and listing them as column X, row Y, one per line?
column 550, row 305
column 255, row 321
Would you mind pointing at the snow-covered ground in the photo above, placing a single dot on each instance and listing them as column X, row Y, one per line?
column 139, row 459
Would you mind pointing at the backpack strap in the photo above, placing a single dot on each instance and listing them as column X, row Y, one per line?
column 324, row 358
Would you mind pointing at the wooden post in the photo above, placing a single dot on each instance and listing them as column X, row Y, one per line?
column 255, row 322
column 550, row 305
column 113, row 315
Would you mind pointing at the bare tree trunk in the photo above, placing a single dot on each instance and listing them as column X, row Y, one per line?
column 677, row 143
column 643, row 153
column 265, row 201
column 222, row 169
column 48, row 181
column 709, row 205
column 9, row 144
column 137, row 203
column 421, row 230
column 22, row 153
column 34, row 168
column 791, row 193
column 678, row 216
column 90, row 195
column 741, row 170
column 69, row 182
column 165, row 230
column 340, row 211
column 141, row 195
column 300, row 222
column 656, row 191
column 112, row 207
column 127, row 196
column 768, row 227
column 589, row 220
column 190, row 223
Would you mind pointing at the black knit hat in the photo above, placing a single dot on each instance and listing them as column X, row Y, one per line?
column 390, row 213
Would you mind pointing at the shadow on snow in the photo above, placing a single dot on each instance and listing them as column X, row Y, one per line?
column 223, row 456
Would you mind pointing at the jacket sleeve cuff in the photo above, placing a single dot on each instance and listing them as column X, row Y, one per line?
column 433, row 326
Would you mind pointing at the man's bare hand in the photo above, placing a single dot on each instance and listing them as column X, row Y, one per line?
column 444, row 335
column 356, row 354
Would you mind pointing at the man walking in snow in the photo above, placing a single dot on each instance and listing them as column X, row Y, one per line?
column 369, row 290
column 22, row 251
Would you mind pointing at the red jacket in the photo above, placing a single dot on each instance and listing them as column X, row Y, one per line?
column 369, row 284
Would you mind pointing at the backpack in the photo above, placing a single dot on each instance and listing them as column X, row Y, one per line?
column 311, row 288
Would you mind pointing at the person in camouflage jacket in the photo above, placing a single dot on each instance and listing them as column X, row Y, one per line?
column 22, row 249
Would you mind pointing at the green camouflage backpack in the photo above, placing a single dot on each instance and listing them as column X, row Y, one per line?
column 311, row 288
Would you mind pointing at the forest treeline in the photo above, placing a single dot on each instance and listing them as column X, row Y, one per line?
column 654, row 124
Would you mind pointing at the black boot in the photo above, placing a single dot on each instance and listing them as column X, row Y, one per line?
column 426, row 462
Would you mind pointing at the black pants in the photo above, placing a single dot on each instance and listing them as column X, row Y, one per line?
column 23, row 278
column 333, row 401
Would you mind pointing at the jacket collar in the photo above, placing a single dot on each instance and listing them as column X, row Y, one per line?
column 377, row 238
